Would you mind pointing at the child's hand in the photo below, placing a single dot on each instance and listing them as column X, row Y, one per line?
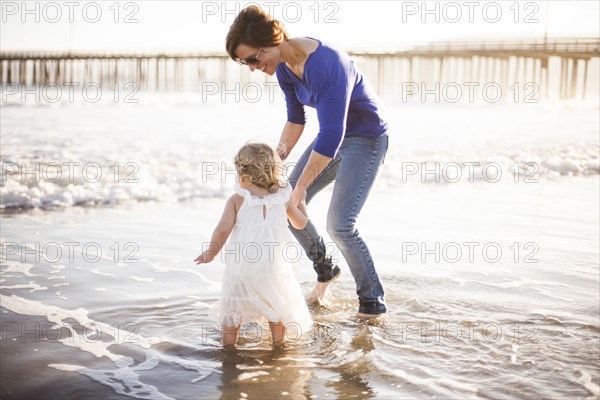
column 296, row 214
column 204, row 258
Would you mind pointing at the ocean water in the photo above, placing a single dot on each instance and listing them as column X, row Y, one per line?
column 179, row 146
column 483, row 225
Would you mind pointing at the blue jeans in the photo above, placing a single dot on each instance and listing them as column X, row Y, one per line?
column 353, row 172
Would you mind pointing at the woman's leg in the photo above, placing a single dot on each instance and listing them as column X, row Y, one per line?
column 230, row 335
column 277, row 332
column 309, row 238
column 361, row 160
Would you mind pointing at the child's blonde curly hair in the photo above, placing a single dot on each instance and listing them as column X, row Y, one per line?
column 261, row 165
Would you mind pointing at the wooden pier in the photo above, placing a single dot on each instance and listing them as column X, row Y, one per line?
column 502, row 62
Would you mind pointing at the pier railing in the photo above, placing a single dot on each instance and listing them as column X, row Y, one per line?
column 578, row 47
column 504, row 62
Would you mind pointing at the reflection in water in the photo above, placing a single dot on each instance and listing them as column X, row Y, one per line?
column 262, row 374
column 354, row 374
column 332, row 358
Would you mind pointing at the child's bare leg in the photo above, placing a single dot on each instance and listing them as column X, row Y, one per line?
column 277, row 332
column 230, row 335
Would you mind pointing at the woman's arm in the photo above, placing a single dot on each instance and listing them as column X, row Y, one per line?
column 289, row 137
column 296, row 214
column 221, row 233
column 296, row 118
column 331, row 85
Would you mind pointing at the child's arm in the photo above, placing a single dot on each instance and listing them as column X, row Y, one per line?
column 221, row 233
column 296, row 214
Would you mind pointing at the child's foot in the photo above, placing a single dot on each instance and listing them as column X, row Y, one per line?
column 320, row 291
column 277, row 333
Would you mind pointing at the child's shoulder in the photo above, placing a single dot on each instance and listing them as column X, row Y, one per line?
column 236, row 197
column 236, row 200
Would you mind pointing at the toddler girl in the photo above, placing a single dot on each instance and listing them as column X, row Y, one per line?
column 259, row 281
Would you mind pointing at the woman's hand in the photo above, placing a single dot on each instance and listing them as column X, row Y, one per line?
column 289, row 137
column 282, row 151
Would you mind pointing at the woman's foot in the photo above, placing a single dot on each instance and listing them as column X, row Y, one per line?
column 320, row 291
column 371, row 308
column 368, row 316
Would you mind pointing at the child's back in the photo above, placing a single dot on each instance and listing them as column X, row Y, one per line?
column 259, row 282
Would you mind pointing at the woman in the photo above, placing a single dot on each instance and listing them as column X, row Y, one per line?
column 349, row 149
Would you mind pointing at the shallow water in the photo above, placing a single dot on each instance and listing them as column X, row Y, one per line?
column 465, row 329
column 493, row 287
column 175, row 147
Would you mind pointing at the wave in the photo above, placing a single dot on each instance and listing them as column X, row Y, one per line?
column 174, row 147
column 519, row 167
column 51, row 184
column 55, row 184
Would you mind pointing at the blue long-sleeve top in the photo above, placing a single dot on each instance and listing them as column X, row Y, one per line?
column 346, row 103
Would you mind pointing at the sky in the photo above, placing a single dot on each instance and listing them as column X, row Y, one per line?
column 177, row 26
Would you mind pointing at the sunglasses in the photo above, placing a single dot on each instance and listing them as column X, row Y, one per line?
column 252, row 60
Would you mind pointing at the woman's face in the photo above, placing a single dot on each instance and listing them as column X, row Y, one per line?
column 268, row 57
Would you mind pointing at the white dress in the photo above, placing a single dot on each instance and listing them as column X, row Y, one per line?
column 259, row 283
